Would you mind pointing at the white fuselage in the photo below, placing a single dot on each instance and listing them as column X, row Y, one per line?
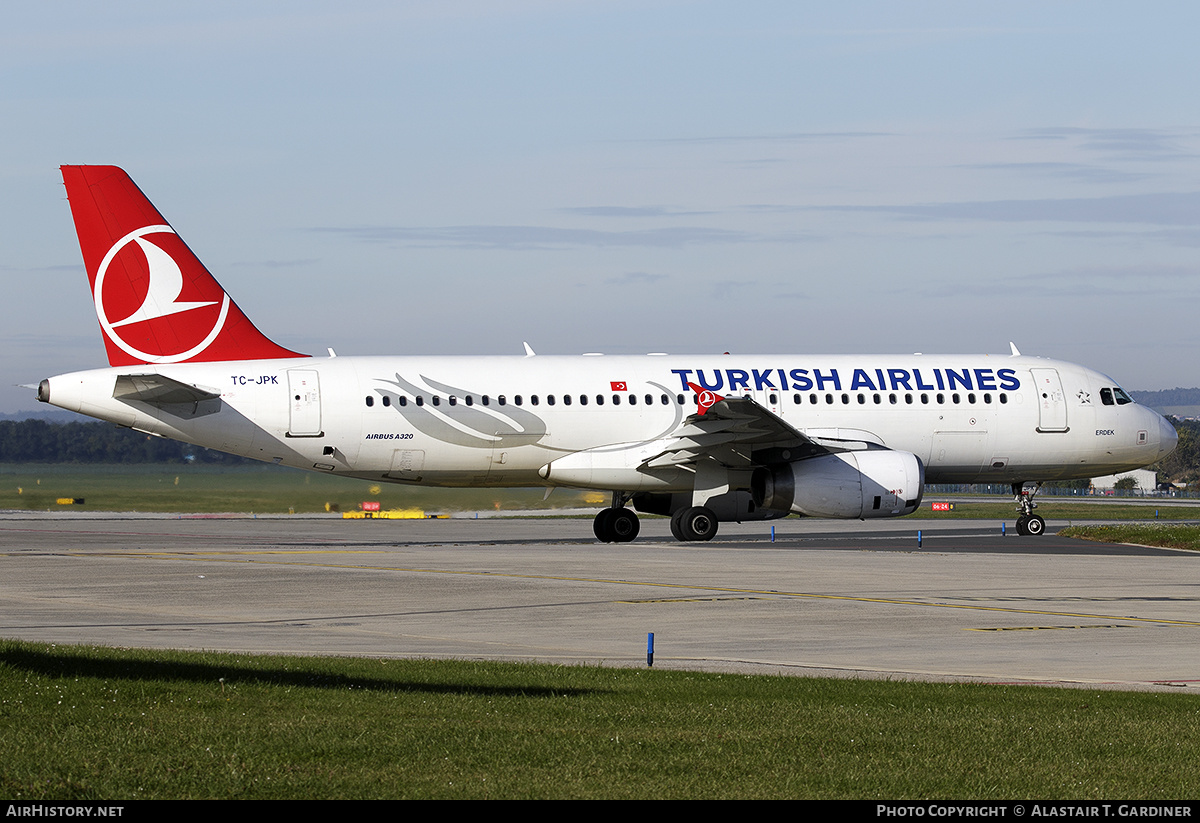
column 498, row 421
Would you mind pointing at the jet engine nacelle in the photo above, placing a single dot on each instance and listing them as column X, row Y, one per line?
column 860, row 484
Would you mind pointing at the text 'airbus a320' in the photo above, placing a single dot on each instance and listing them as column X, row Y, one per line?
column 702, row 438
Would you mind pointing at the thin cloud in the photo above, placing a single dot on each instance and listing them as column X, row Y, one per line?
column 1130, row 144
column 279, row 264
column 790, row 137
column 549, row 237
column 632, row 211
column 635, row 278
column 1076, row 284
column 1160, row 209
column 1080, row 172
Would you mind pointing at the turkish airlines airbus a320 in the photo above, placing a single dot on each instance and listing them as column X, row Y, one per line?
column 701, row 438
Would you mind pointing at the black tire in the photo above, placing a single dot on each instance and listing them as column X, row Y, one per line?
column 1023, row 524
column 1035, row 526
column 698, row 523
column 602, row 526
column 623, row 525
column 676, row 530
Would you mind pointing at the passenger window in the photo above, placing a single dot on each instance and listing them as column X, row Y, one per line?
column 583, row 399
column 470, row 400
column 387, row 401
column 487, row 401
column 401, row 401
column 437, row 401
column 420, row 400
column 533, row 400
column 370, row 401
column 501, row 400
column 453, row 400
column 566, row 399
column 549, row 400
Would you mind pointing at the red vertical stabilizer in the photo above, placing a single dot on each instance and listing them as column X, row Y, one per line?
column 155, row 300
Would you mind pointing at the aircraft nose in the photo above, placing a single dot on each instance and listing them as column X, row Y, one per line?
column 1167, row 437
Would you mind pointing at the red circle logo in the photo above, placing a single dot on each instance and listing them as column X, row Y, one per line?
column 155, row 301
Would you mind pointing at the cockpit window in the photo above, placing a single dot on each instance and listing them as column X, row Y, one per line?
column 1115, row 396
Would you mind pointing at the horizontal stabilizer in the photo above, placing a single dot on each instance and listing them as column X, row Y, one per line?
column 157, row 390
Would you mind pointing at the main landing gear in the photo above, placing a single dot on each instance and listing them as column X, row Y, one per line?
column 616, row 524
column 1028, row 523
column 694, row 523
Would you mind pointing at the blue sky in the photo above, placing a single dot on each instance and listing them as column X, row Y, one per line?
column 393, row 178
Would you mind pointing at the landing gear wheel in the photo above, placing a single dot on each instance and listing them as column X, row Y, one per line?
column 676, row 529
column 698, row 523
column 602, row 525
column 616, row 526
column 1035, row 526
column 623, row 525
column 1023, row 524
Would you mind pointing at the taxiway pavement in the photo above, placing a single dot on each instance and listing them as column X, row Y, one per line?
column 825, row 598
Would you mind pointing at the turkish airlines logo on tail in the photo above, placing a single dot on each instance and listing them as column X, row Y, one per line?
column 158, row 325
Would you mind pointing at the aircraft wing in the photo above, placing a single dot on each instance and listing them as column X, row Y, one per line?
column 739, row 433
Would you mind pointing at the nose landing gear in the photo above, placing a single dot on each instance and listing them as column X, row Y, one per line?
column 1028, row 523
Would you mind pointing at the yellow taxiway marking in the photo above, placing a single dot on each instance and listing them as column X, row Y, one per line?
column 1052, row 628
column 209, row 553
column 223, row 556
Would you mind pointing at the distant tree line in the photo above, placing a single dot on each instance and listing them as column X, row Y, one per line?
column 1182, row 466
column 36, row 441
column 1167, row 397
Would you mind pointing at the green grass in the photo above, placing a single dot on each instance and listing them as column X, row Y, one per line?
column 82, row 723
column 79, row 722
column 1169, row 535
column 1057, row 508
column 265, row 489
column 262, row 489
